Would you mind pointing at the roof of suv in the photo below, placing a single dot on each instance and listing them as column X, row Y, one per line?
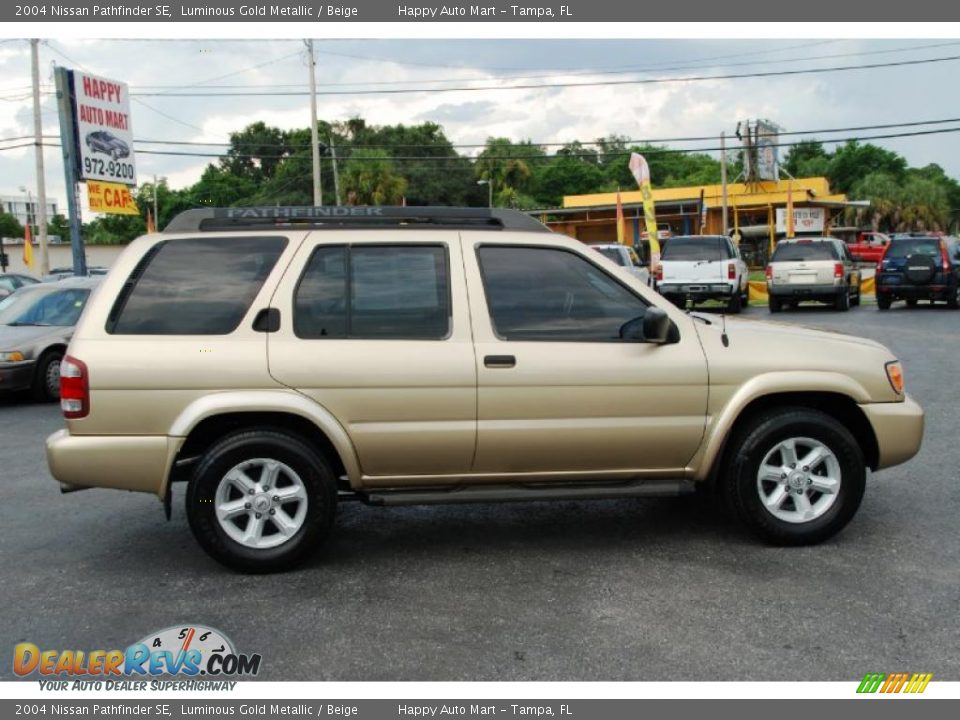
column 346, row 216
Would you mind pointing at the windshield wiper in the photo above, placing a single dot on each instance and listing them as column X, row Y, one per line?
column 17, row 323
column 699, row 317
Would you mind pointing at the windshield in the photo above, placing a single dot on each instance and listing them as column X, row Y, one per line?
column 611, row 254
column 901, row 248
column 694, row 248
column 60, row 308
column 804, row 251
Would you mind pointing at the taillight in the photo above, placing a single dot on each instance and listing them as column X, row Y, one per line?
column 838, row 270
column 879, row 264
column 731, row 272
column 659, row 273
column 74, row 388
column 769, row 272
column 944, row 257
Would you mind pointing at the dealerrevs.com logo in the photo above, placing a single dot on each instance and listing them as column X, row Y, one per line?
column 187, row 651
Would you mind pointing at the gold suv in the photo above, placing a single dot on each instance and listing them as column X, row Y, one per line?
column 282, row 360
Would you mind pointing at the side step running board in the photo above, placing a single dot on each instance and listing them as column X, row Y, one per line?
column 520, row 493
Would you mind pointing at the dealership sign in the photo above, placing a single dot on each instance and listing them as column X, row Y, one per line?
column 804, row 219
column 104, row 135
column 111, row 198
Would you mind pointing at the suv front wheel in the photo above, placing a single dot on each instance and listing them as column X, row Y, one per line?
column 797, row 476
column 261, row 501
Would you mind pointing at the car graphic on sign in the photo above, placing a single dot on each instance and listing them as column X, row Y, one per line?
column 103, row 142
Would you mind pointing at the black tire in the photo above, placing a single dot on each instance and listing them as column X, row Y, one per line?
column 679, row 300
column 883, row 302
column 314, row 471
column 855, row 300
column 46, row 378
column 757, row 438
column 735, row 304
column 773, row 302
column 841, row 303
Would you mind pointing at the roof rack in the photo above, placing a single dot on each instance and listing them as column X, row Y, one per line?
column 343, row 216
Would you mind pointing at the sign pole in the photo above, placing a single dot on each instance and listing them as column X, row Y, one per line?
column 68, row 142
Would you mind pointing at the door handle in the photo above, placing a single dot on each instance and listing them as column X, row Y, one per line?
column 500, row 361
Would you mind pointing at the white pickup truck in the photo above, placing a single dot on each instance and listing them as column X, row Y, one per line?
column 695, row 268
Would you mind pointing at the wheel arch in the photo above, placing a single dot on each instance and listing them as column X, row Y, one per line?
column 211, row 417
column 838, row 404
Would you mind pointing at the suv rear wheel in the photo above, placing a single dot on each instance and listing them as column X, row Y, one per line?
column 842, row 301
column 261, row 501
column 797, row 476
column 953, row 297
column 735, row 304
column 883, row 302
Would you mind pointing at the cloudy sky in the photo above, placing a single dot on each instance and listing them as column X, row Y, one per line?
column 543, row 112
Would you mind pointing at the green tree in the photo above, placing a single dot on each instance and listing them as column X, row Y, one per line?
column 510, row 167
column 807, row 159
column 565, row 175
column 60, row 226
column 10, row 227
column 853, row 161
column 368, row 178
column 884, row 193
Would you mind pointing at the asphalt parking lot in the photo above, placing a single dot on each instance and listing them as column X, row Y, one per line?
column 608, row 590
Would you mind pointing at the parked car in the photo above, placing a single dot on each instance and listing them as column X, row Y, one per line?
column 282, row 360
column 919, row 267
column 103, row 142
column 625, row 257
column 696, row 268
column 10, row 282
column 36, row 323
column 62, row 273
column 812, row 268
column 869, row 247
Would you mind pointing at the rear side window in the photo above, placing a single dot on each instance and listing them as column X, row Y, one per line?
column 201, row 286
column 695, row 248
column 374, row 292
column 804, row 252
column 611, row 254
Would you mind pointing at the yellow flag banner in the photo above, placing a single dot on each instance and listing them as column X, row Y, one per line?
column 111, row 198
column 27, row 247
column 641, row 173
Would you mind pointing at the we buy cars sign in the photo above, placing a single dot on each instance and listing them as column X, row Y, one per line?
column 104, row 135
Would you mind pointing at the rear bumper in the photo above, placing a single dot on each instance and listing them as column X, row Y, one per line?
column 134, row 462
column 696, row 289
column 809, row 291
column 16, row 376
column 929, row 292
column 898, row 428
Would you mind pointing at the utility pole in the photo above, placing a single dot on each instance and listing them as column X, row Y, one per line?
column 156, row 218
column 336, row 176
column 723, row 178
column 314, row 139
column 38, row 151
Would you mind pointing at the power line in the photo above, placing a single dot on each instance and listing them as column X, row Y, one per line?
column 460, row 158
column 563, row 73
column 543, row 86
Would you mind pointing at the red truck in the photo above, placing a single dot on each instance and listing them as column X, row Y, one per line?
column 869, row 246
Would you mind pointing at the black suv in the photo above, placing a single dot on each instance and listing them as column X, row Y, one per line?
column 919, row 267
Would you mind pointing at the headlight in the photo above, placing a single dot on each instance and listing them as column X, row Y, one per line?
column 15, row 356
column 895, row 376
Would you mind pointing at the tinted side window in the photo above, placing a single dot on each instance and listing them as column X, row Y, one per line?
column 555, row 295
column 201, row 286
column 374, row 292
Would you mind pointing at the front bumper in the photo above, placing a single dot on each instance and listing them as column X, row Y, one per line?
column 127, row 462
column 16, row 376
column 898, row 427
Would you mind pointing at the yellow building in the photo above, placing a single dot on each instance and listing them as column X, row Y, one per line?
column 751, row 212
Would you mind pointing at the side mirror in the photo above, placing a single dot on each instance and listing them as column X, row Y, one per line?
column 654, row 326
